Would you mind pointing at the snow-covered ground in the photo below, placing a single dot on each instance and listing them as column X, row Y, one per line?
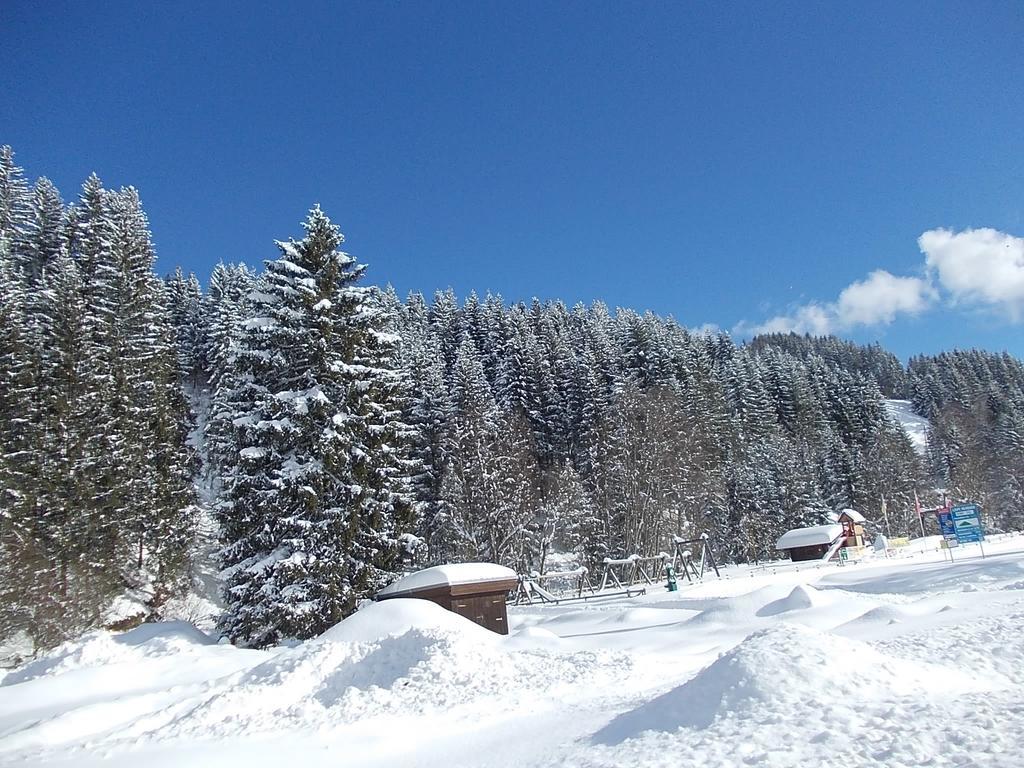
column 915, row 425
column 905, row 661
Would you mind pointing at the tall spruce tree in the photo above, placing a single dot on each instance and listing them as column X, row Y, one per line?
column 315, row 501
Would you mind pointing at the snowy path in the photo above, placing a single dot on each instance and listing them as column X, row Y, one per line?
column 903, row 662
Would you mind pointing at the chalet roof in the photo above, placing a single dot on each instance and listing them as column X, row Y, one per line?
column 854, row 515
column 809, row 537
column 449, row 575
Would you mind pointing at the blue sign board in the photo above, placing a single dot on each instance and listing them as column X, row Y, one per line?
column 967, row 523
column 946, row 527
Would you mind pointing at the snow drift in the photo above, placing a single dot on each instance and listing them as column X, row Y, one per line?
column 779, row 669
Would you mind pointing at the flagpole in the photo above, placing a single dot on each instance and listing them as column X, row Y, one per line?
column 920, row 512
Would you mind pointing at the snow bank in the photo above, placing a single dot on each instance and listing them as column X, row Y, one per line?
column 390, row 618
column 456, row 668
column 883, row 614
column 801, row 598
column 396, row 659
column 533, row 638
column 102, row 648
column 781, row 669
column 716, row 674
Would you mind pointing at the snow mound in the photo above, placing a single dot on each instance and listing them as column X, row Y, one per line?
column 779, row 669
column 801, row 598
column 331, row 681
column 639, row 616
column 883, row 614
column 397, row 658
column 101, row 648
column 394, row 617
column 1015, row 585
column 731, row 611
column 529, row 638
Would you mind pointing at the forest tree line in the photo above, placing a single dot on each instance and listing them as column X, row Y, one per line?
column 345, row 433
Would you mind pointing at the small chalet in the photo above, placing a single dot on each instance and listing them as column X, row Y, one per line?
column 474, row 590
column 819, row 542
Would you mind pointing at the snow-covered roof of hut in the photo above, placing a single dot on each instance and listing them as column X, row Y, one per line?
column 449, row 575
column 809, row 537
column 853, row 514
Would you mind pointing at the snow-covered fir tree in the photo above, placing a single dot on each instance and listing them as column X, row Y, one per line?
column 317, row 498
column 97, row 496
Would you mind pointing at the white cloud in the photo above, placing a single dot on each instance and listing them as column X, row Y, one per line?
column 707, row 329
column 880, row 297
column 810, row 318
column 876, row 300
column 978, row 266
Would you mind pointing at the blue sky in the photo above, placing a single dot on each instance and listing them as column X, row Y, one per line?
column 745, row 165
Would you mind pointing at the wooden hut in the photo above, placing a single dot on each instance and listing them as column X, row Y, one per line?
column 819, row 542
column 474, row 590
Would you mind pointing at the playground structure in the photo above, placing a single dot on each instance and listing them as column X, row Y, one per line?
column 554, row 586
column 629, row 576
column 682, row 557
column 633, row 570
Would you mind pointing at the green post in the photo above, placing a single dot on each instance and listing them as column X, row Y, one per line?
column 672, row 586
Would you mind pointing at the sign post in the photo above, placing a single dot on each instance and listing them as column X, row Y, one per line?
column 947, row 529
column 920, row 512
column 966, row 519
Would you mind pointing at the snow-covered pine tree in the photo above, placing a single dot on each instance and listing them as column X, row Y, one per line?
column 185, row 300
column 171, row 464
column 73, row 580
column 430, row 411
column 447, row 324
column 47, row 230
column 91, row 232
column 315, row 501
column 379, row 390
column 490, row 484
column 18, row 449
column 18, row 384
column 15, row 208
column 225, row 307
column 565, row 517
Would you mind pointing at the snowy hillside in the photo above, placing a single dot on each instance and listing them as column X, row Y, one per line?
column 905, row 661
column 915, row 425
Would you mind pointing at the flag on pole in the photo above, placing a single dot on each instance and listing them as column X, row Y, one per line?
column 917, row 505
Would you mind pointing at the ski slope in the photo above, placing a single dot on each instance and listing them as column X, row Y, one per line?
column 903, row 661
column 915, row 425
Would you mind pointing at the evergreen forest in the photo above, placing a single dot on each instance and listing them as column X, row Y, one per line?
column 333, row 434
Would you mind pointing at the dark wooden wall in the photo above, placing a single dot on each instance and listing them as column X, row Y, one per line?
column 482, row 603
column 488, row 610
column 815, row 552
